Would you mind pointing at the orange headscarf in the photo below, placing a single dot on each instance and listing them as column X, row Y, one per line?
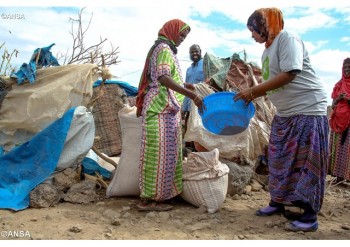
column 168, row 34
column 267, row 22
column 340, row 115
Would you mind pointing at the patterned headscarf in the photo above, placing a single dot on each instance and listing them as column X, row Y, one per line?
column 267, row 22
column 340, row 116
column 169, row 34
column 171, row 31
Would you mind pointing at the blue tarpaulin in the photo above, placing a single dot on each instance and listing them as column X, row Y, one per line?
column 91, row 167
column 129, row 90
column 28, row 165
column 28, row 71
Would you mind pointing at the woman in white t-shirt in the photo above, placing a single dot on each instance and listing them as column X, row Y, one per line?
column 298, row 145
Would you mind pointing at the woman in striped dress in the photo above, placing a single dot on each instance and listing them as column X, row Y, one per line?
column 339, row 159
column 160, row 95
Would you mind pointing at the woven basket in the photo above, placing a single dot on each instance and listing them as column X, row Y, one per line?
column 111, row 100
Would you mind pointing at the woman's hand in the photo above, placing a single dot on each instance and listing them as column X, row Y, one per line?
column 245, row 94
column 198, row 101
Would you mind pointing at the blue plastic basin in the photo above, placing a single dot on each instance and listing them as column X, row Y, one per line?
column 224, row 116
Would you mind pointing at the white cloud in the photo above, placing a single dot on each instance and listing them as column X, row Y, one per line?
column 313, row 19
column 345, row 40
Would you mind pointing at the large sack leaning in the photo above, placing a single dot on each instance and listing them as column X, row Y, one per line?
column 205, row 180
column 125, row 180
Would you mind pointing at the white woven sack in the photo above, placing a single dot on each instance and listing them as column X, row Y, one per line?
column 205, row 180
column 209, row 193
column 125, row 180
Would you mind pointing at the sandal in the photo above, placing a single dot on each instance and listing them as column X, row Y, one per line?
column 297, row 226
column 153, row 206
column 268, row 211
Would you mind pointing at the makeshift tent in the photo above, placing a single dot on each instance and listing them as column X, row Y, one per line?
column 45, row 127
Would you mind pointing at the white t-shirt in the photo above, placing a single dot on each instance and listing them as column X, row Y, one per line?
column 304, row 95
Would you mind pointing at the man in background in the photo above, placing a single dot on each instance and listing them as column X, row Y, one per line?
column 194, row 75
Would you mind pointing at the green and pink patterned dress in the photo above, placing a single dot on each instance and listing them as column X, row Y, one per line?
column 161, row 145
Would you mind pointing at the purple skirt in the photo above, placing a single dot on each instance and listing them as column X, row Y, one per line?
column 297, row 158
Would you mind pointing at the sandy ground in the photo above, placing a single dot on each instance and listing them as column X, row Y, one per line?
column 118, row 219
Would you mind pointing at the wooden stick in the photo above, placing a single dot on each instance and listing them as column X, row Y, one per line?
column 98, row 180
column 37, row 57
column 112, row 162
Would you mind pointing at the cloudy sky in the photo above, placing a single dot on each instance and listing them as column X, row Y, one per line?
column 218, row 26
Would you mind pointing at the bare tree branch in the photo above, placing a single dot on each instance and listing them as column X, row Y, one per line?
column 81, row 52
